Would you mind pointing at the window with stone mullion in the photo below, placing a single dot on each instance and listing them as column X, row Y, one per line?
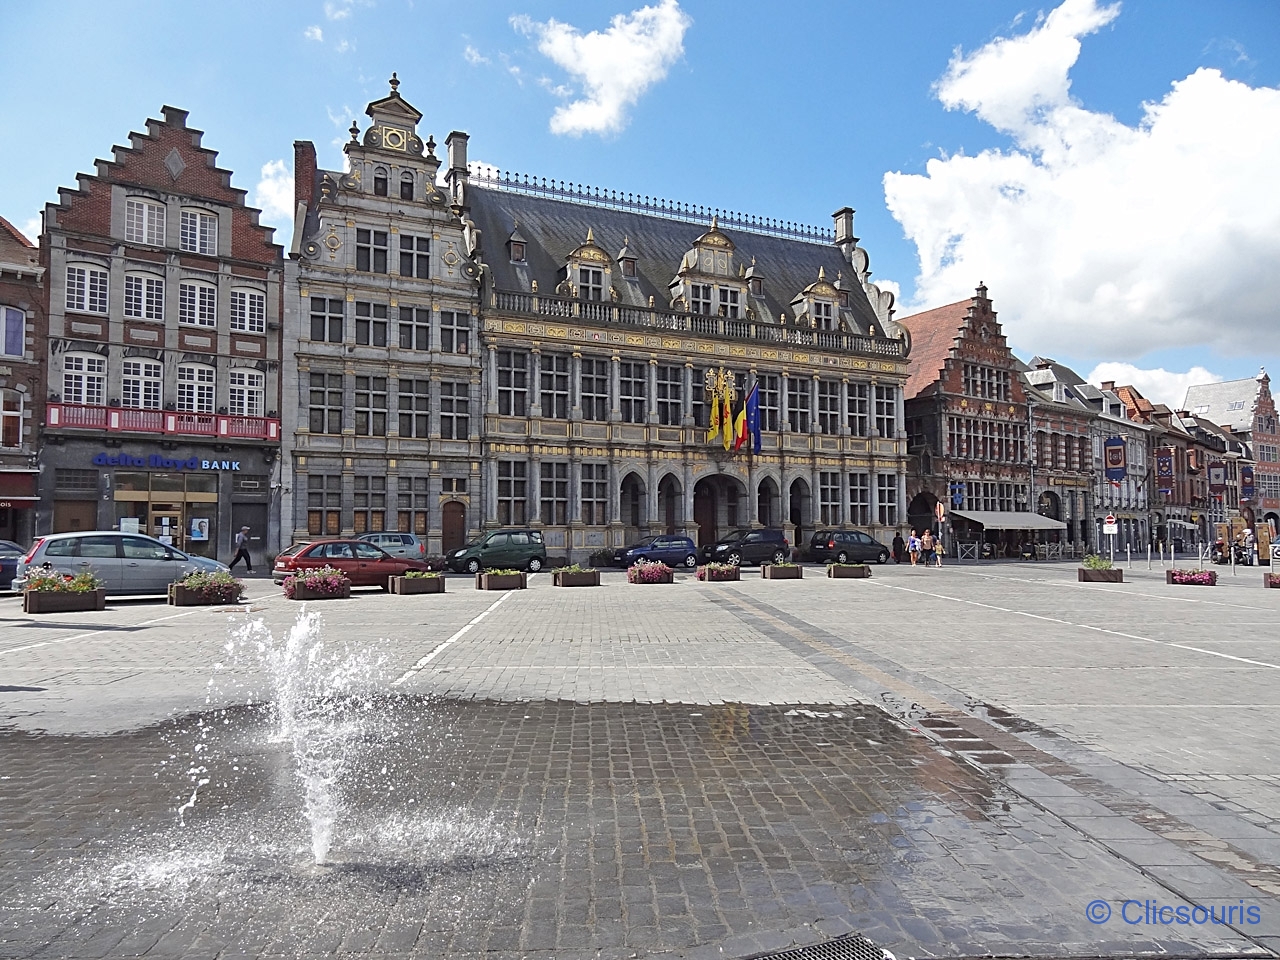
column 554, row 496
column 326, row 319
column 371, row 324
column 829, row 498
column 455, row 410
column 415, row 408
column 595, row 493
column 324, row 500
column 886, row 412
column 415, row 328
column 769, row 399
column 829, row 407
column 455, row 332
column 370, row 504
column 633, row 380
column 670, row 383
column 371, row 407
column 325, row 403
column 371, row 251
column 887, row 498
column 860, row 499
column 414, row 504
column 513, row 383
column 595, row 389
column 415, row 257
column 798, row 405
column 513, row 497
column 554, row 396
column 700, row 298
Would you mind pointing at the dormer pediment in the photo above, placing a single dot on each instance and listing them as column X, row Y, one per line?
column 590, row 252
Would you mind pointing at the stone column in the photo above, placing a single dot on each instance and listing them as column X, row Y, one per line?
column 842, row 416
column 615, row 392
column 813, row 404
column 651, row 392
column 491, row 395
column 575, row 386
column 654, row 522
column 687, row 386
column 784, row 409
column 535, row 382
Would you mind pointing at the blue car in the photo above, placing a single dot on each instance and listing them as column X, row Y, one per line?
column 10, row 554
column 671, row 550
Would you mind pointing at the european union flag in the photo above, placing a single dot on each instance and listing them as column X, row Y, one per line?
column 753, row 416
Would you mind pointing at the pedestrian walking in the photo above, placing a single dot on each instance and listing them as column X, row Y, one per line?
column 913, row 547
column 242, row 551
column 927, row 543
column 899, row 546
column 937, row 551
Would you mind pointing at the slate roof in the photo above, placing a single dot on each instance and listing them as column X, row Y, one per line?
column 1218, row 398
column 933, row 333
column 553, row 228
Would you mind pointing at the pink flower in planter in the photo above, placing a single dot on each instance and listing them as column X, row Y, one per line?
column 321, row 580
column 648, row 572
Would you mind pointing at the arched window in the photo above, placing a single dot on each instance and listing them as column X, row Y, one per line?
column 406, row 186
column 84, row 378
column 141, row 383
column 196, row 387
column 144, row 221
column 199, row 232
column 86, row 288
column 244, row 393
column 379, row 183
column 10, row 418
column 198, row 303
column 248, row 311
column 143, row 296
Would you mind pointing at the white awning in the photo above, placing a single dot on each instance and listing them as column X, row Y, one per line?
column 1009, row 520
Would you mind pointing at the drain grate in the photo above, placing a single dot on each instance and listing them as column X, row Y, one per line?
column 849, row 947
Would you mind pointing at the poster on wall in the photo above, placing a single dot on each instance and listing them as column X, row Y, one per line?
column 1114, row 459
column 199, row 528
column 130, row 525
column 1247, row 488
column 1217, row 477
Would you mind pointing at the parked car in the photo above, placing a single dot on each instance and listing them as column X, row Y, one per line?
column 749, row 546
column 399, row 544
column 499, row 549
column 126, row 563
column 10, row 554
column 846, row 546
column 363, row 563
column 671, row 550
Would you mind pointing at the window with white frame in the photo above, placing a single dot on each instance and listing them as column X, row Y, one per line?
column 244, row 393
column 143, row 222
column 10, row 419
column 199, row 233
column 198, row 303
column 196, row 387
column 141, row 384
column 84, row 378
column 887, row 498
column 86, row 289
column 248, row 311
column 13, row 332
column 143, row 296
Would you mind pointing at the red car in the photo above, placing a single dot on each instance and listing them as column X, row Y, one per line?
column 364, row 564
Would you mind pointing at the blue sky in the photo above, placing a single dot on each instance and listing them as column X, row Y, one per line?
column 1107, row 170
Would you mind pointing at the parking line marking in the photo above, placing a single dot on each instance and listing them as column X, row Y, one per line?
column 1081, row 626
column 417, row 667
column 91, row 633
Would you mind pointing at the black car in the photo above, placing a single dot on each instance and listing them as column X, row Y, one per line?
column 846, row 546
column 671, row 550
column 749, row 546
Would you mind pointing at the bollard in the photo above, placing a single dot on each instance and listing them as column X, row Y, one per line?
column 1148, row 556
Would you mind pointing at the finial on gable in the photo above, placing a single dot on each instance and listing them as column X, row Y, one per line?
column 395, row 85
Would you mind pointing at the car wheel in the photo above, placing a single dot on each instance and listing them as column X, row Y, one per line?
column 535, row 564
column 734, row 558
column 473, row 565
column 842, row 557
column 691, row 561
column 779, row 557
column 884, row 557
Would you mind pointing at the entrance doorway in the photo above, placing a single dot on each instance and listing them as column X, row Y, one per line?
column 920, row 512
column 254, row 515
column 453, row 525
column 704, row 512
column 669, row 504
column 799, row 512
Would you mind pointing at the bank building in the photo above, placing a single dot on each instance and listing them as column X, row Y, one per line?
column 470, row 350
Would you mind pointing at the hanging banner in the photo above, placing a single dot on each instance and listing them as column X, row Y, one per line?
column 1247, row 489
column 1115, row 459
column 1217, row 477
column 1164, row 469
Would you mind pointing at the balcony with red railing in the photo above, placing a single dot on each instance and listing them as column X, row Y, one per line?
column 219, row 426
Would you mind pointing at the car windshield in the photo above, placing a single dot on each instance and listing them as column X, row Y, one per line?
column 292, row 550
column 646, row 542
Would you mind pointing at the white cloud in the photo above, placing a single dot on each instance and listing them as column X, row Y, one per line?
column 31, row 229
column 342, row 46
column 1096, row 238
column 313, row 33
column 339, row 10
column 614, row 67
column 274, row 197
column 473, row 56
column 1158, row 385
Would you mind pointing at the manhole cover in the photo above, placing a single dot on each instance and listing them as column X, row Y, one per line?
column 849, row 947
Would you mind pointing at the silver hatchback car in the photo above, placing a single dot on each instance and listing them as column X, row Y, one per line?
column 399, row 544
column 124, row 562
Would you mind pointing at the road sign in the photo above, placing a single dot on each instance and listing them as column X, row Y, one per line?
column 1109, row 526
column 1275, row 551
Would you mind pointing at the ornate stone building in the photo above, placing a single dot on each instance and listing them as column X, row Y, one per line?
column 164, row 349
column 1061, row 451
column 548, row 368
column 23, row 346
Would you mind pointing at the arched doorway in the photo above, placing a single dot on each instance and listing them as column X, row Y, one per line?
column 453, row 525
column 767, row 503
column 921, row 512
column 800, row 510
column 632, row 504
column 704, row 511
column 669, row 503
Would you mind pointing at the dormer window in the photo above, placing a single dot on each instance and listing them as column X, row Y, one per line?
column 822, row 314
column 844, row 299
column 629, row 269
column 700, row 298
column 406, row 186
column 517, row 251
column 757, row 287
column 380, row 183
column 590, row 284
column 728, row 303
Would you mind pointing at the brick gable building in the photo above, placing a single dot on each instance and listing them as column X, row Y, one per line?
column 22, row 359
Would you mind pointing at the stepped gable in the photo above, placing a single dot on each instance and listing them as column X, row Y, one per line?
column 934, row 333
column 169, row 159
column 554, row 228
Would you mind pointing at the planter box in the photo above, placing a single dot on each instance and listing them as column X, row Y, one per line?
column 407, row 586
column 1168, row 578
column 722, row 576
column 1266, row 582
column 49, row 601
column 1114, row 575
column 180, row 596
column 848, row 571
column 669, row 577
column 303, row 593
column 501, row 581
column 576, row 578
column 771, row 571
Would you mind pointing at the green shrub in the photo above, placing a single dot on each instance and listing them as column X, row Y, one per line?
column 420, row 574
column 577, row 568
column 1093, row 561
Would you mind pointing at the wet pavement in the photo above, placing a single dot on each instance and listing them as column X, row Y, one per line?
column 555, row 778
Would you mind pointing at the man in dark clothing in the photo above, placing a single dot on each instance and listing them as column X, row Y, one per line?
column 242, row 551
column 898, row 546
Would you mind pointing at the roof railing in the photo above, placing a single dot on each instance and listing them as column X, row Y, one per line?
column 642, row 203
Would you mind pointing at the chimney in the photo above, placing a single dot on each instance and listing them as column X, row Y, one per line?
column 457, row 175
column 844, row 225
column 1109, row 385
column 304, row 171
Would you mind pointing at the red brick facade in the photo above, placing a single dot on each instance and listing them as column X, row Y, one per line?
column 23, row 347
